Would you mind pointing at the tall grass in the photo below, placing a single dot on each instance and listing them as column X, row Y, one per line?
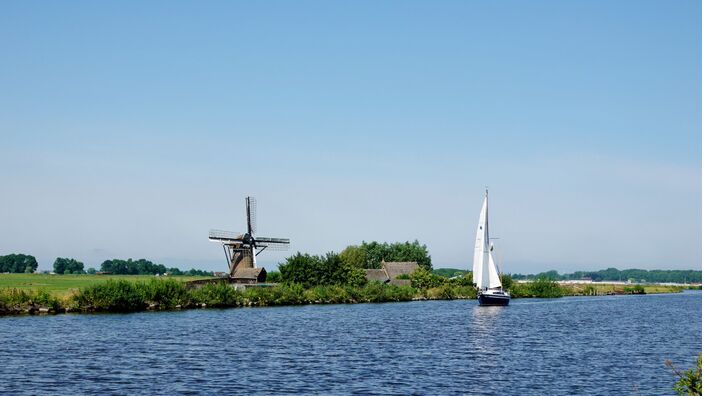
column 125, row 296
column 543, row 287
column 17, row 300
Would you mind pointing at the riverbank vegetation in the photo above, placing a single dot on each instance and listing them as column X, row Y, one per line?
column 613, row 274
column 135, row 293
column 129, row 296
column 300, row 279
column 689, row 382
column 62, row 285
column 369, row 255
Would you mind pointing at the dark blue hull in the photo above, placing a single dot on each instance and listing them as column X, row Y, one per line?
column 494, row 299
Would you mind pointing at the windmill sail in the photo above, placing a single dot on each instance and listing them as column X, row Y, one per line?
column 484, row 270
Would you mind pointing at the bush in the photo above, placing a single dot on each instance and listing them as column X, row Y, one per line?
column 217, row 295
column 542, row 287
column 113, row 295
column 167, row 293
column 273, row 277
column 287, row 294
column 637, row 289
column 424, row 279
column 690, row 381
column 16, row 299
column 311, row 271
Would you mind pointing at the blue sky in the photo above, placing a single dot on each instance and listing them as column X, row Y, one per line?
column 130, row 129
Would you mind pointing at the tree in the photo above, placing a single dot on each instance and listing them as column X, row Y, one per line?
column 373, row 253
column 424, row 279
column 355, row 256
column 68, row 266
column 18, row 263
column 273, row 277
column 91, row 270
column 506, row 281
column 329, row 269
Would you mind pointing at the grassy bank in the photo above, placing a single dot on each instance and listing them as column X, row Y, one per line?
column 147, row 293
column 128, row 296
column 63, row 285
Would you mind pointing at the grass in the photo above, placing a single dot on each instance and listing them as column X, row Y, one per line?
column 592, row 289
column 27, row 293
column 64, row 285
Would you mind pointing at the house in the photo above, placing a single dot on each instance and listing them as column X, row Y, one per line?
column 249, row 275
column 390, row 271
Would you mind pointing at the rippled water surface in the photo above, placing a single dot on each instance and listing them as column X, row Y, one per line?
column 599, row 345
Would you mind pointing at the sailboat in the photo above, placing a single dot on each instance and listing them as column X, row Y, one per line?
column 485, row 272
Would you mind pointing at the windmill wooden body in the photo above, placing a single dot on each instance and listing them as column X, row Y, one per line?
column 241, row 249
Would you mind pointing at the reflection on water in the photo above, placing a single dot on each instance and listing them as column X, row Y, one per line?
column 598, row 346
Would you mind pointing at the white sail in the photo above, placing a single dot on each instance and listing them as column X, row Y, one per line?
column 484, row 269
column 480, row 242
column 493, row 273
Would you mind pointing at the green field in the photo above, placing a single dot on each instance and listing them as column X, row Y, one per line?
column 66, row 284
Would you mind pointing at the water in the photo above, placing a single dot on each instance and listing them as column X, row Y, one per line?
column 587, row 345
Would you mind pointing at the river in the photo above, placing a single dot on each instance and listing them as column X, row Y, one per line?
column 574, row 345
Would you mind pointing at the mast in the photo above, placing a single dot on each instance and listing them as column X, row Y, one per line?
column 486, row 222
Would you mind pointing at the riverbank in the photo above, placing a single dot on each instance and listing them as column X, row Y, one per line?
column 121, row 295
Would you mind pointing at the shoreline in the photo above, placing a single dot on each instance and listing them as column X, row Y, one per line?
column 171, row 295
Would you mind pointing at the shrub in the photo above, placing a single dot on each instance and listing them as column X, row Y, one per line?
column 690, row 381
column 542, row 287
column 637, row 289
column 287, row 294
column 168, row 293
column 217, row 295
column 424, row 279
column 113, row 295
column 19, row 299
column 311, row 271
column 273, row 277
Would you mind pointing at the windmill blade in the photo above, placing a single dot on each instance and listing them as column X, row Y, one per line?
column 273, row 246
column 225, row 236
column 254, row 256
column 251, row 215
column 269, row 241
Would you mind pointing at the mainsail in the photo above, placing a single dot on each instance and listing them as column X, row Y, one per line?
column 484, row 270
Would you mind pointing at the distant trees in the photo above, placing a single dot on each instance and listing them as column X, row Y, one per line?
column 145, row 267
column 18, row 263
column 613, row 274
column 370, row 254
column 329, row 269
column 68, row 266
column 449, row 272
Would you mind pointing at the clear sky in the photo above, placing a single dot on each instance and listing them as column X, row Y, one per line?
column 129, row 129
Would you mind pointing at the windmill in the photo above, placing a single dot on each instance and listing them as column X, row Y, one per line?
column 241, row 250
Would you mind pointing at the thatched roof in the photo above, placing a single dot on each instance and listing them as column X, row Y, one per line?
column 376, row 275
column 395, row 268
column 249, row 273
column 400, row 282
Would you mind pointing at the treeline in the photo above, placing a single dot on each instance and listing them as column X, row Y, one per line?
column 347, row 267
column 369, row 255
column 18, row 263
column 613, row 274
column 145, row 267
